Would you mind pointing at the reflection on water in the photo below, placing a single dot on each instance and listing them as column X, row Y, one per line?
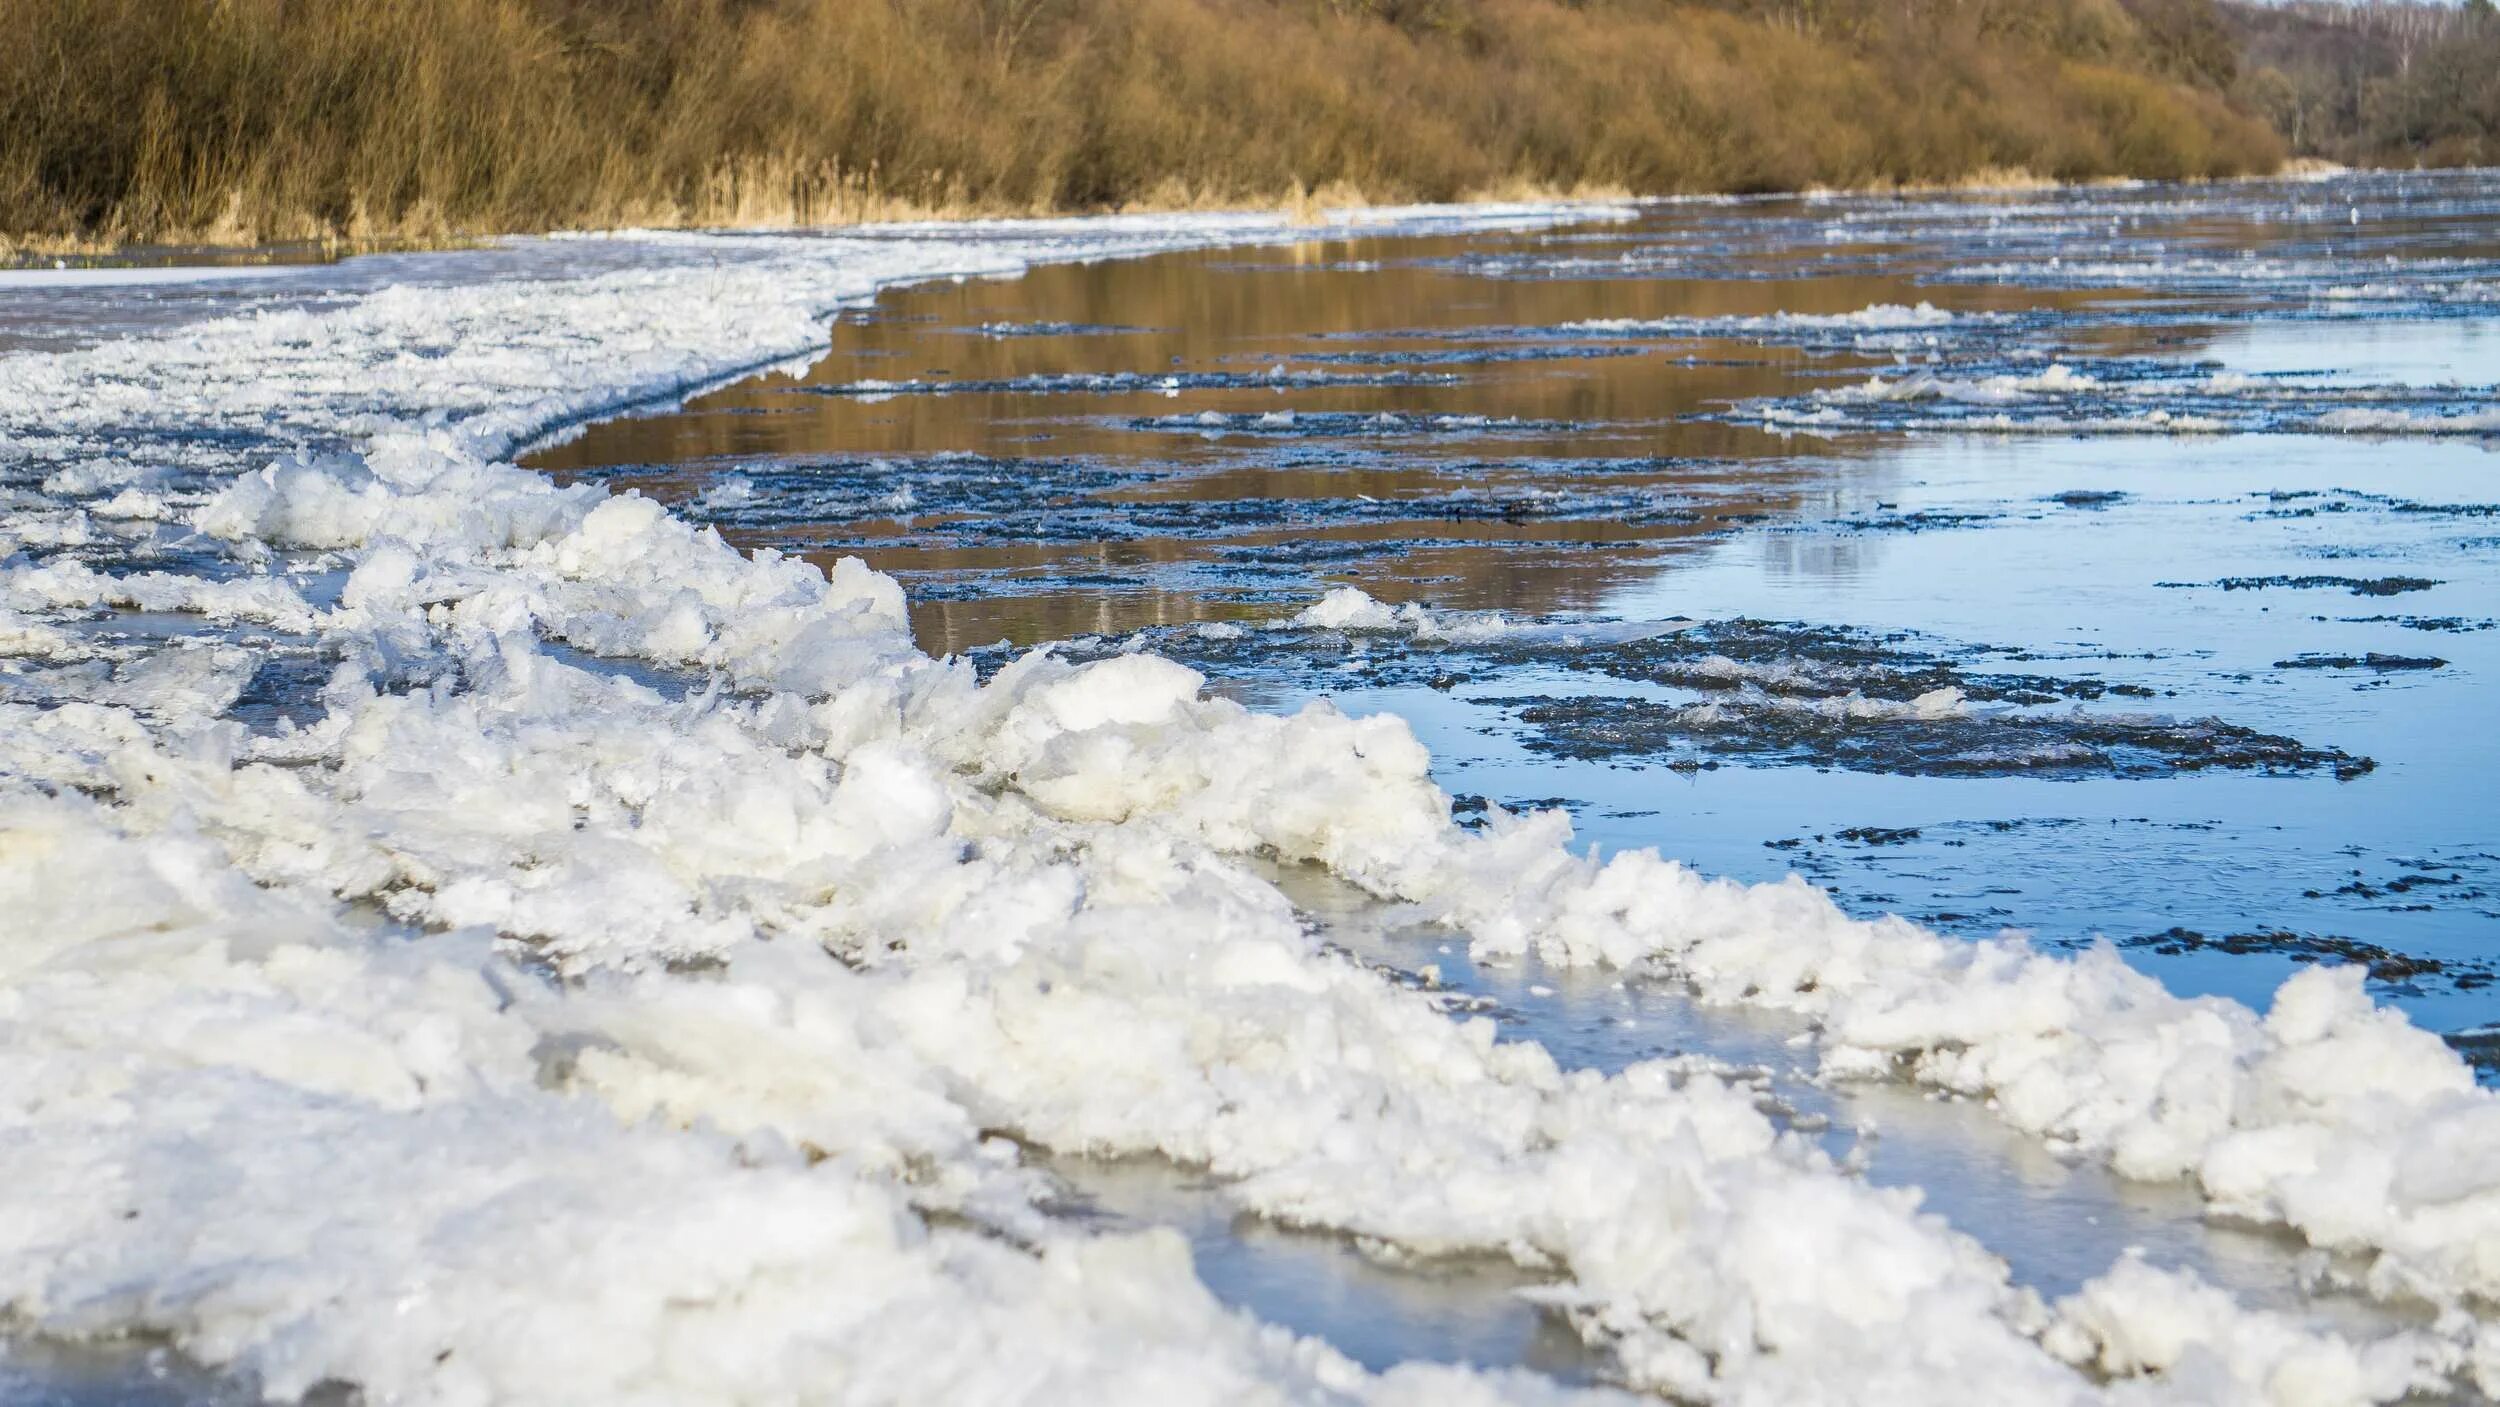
column 1538, row 484
column 1748, row 410
column 1529, row 421
column 2095, row 462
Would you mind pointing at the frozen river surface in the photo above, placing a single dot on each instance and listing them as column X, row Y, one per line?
column 661, row 951
column 2118, row 466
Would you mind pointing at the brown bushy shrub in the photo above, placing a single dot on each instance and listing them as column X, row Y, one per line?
column 240, row 119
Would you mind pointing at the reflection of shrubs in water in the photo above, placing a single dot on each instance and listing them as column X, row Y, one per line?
column 801, row 493
column 1335, row 425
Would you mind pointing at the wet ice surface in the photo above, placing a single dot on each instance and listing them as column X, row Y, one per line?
column 2106, row 565
column 2210, row 689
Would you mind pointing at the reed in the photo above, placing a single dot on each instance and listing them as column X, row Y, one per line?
column 231, row 120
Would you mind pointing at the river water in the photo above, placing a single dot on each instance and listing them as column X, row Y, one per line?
column 2191, row 496
column 2116, row 565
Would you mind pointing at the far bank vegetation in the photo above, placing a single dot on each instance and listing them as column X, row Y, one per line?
column 173, row 120
column 2373, row 84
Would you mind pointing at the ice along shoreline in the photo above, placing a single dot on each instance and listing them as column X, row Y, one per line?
column 1039, row 924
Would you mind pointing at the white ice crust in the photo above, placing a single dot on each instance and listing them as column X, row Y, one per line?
column 518, row 1032
column 2047, row 402
column 1878, row 317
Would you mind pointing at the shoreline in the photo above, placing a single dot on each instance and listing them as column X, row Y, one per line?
column 1307, row 209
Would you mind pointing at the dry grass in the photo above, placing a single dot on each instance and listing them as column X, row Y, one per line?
column 232, row 120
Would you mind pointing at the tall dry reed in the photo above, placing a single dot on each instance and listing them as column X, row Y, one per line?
column 261, row 119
